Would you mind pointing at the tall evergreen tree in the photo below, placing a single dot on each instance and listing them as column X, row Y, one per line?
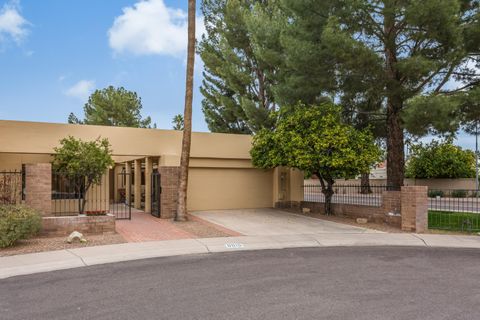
column 113, row 107
column 412, row 47
column 237, row 85
column 379, row 52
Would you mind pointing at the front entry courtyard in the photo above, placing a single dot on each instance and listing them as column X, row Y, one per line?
column 145, row 227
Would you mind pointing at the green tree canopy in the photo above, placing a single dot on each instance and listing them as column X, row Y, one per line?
column 314, row 139
column 440, row 160
column 113, row 107
column 237, row 85
column 375, row 55
column 82, row 162
column 178, row 123
column 444, row 114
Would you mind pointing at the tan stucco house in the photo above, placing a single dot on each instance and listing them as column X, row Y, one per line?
column 221, row 174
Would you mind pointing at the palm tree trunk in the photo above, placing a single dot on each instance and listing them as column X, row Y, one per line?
column 181, row 214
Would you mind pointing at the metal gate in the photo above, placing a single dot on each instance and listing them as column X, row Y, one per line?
column 121, row 205
column 156, row 194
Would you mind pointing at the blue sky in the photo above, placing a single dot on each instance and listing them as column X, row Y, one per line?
column 62, row 50
column 54, row 53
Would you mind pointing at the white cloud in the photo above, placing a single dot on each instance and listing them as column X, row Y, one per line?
column 12, row 24
column 81, row 89
column 149, row 27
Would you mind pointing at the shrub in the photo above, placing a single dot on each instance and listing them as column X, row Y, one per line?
column 459, row 194
column 16, row 223
column 435, row 193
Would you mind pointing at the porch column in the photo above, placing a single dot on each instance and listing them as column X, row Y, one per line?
column 128, row 184
column 137, row 192
column 148, row 184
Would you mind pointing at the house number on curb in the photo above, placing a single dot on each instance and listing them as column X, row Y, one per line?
column 234, row 245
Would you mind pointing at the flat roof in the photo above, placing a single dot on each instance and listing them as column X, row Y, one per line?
column 42, row 137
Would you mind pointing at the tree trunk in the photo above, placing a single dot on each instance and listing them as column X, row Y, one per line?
column 82, row 197
column 365, row 183
column 395, row 138
column 327, row 190
column 395, row 148
column 181, row 214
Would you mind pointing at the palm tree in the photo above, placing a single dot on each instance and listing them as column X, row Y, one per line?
column 181, row 214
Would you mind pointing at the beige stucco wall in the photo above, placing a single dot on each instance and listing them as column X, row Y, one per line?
column 41, row 138
column 221, row 175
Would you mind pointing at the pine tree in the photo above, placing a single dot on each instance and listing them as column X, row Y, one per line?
column 237, row 85
column 377, row 54
column 113, row 107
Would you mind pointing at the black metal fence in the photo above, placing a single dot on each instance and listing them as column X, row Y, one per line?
column 454, row 209
column 11, row 187
column 348, row 194
column 70, row 197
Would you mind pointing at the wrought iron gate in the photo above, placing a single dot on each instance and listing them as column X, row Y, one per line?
column 156, row 194
column 121, row 205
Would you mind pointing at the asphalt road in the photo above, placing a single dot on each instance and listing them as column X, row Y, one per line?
column 321, row 283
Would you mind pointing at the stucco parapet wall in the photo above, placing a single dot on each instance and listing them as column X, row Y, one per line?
column 42, row 137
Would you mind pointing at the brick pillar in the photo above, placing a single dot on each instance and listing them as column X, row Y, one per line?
column 169, row 196
column 414, row 208
column 38, row 187
column 392, row 208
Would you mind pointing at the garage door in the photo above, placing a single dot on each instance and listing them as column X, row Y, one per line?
column 226, row 188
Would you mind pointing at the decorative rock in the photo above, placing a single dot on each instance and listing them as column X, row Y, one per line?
column 362, row 220
column 306, row 210
column 75, row 235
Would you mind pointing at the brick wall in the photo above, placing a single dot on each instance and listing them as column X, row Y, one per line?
column 63, row 226
column 406, row 209
column 169, row 196
column 414, row 208
column 373, row 214
column 388, row 213
column 38, row 187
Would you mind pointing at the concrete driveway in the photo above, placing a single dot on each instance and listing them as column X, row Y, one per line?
column 266, row 221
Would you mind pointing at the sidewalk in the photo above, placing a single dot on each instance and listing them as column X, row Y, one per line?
column 88, row 256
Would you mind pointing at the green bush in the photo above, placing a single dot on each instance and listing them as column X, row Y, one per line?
column 16, row 223
column 459, row 193
column 435, row 193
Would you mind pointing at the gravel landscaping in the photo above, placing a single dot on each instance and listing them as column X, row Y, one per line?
column 202, row 229
column 40, row 244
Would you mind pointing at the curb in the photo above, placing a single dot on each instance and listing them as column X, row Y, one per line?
column 88, row 256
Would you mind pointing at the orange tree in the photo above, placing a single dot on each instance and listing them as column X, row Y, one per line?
column 83, row 163
column 314, row 139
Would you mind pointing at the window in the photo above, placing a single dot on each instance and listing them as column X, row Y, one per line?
column 67, row 188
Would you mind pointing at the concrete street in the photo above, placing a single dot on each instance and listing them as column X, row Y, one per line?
column 304, row 283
